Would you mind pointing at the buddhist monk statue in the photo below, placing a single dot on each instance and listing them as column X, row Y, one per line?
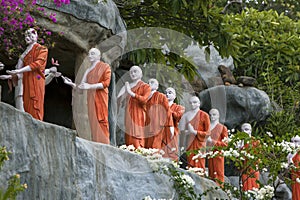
column 96, row 80
column 30, row 77
column 216, row 139
column 196, row 124
column 135, row 94
column 250, row 175
column 294, row 159
column 158, row 117
column 170, row 138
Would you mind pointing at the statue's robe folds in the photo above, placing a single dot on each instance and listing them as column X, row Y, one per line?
column 135, row 115
column 170, row 145
column 296, row 174
column 216, row 164
column 201, row 124
column 98, row 102
column 158, row 120
column 250, row 175
column 34, row 81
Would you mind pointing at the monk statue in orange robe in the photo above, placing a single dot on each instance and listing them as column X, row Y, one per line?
column 158, row 117
column 294, row 159
column 196, row 124
column 135, row 94
column 250, row 176
column 216, row 139
column 171, row 140
column 14, row 81
column 96, row 80
column 30, row 75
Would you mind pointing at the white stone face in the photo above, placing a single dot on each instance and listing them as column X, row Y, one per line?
column 30, row 36
column 135, row 73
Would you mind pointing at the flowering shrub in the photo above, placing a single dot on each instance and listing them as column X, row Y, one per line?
column 269, row 156
column 14, row 186
column 16, row 17
column 148, row 153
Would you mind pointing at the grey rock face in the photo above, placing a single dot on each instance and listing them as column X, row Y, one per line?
column 208, row 70
column 236, row 104
column 56, row 164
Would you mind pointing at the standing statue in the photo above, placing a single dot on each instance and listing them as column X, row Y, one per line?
column 294, row 159
column 216, row 139
column 158, row 117
column 135, row 95
column 250, row 175
column 13, row 82
column 29, row 73
column 96, row 80
column 196, row 124
column 170, row 141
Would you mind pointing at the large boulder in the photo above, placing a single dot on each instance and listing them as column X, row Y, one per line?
column 208, row 68
column 237, row 104
column 56, row 164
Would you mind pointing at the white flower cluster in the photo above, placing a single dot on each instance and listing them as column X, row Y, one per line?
column 149, row 198
column 209, row 154
column 231, row 152
column 284, row 165
column 187, row 180
column 287, row 147
column 197, row 170
column 246, row 154
column 199, row 155
column 269, row 134
column 150, row 153
column 226, row 139
column 127, row 148
column 212, row 154
column 266, row 192
column 298, row 180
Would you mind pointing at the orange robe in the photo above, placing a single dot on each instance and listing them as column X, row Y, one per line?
column 296, row 174
column 216, row 164
column 135, row 115
column 250, row 177
column 158, row 119
column 34, row 81
column 201, row 124
column 98, row 102
column 170, row 146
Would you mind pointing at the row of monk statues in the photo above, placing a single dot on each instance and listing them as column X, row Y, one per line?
column 152, row 119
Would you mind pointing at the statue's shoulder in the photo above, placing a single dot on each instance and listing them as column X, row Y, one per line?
column 41, row 47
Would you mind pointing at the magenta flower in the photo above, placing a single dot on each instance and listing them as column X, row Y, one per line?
column 48, row 32
column 29, row 19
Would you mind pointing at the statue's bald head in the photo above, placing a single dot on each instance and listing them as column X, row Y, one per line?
column 135, row 72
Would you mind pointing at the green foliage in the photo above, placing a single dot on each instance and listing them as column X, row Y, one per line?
column 14, row 186
column 197, row 19
column 281, row 125
column 269, row 50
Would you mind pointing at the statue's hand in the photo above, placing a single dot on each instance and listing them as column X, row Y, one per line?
column 68, row 81
column 209, row 141
column 4, row 77
column 52, row 69
column 12, row 72
column 84, row 86
column 191, row 129
column 128, row 89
